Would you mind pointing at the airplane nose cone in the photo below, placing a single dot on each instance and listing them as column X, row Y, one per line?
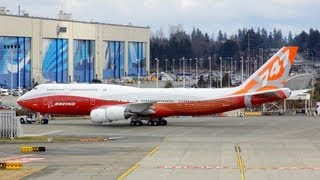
column 21, row 101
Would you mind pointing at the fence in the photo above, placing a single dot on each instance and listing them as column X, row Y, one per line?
column 8, row 124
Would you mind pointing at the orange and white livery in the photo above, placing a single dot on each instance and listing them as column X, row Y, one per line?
column 107, row 103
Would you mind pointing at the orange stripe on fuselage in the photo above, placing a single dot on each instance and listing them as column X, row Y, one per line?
column 198, row 107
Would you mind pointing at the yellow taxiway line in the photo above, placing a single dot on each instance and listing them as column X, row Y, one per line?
column 130, row 170
column 154, row 150
column 240, row 162
column 136, row 165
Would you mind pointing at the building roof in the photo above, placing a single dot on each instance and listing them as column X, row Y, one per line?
column 93, row 22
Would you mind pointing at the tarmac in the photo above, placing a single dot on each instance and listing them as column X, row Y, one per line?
column 223, row 148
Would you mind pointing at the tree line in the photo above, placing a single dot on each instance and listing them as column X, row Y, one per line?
column 247, row 43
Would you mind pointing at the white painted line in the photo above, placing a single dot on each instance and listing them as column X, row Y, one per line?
column 50, row 132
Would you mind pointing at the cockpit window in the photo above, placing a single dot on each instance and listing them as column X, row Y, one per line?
column 35, row 88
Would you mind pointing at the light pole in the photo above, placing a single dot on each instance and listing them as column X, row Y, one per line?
column 220, row 71
column 11, row 48
column 316, row 57
column 180, row 67
column 196, row 72
column 201, row 65
column 248, row 67
column 231, row 68
column 184, row 72
column 173, row 65
column 157, row 82
column 138, row 61
column 210, row 83
column 190, row 65
column 235, row 66
column 166, row 64
column 241, row 69
column 255, row 64
column 11, row 78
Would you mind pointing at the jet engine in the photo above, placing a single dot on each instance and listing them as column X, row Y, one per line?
column 108, row 114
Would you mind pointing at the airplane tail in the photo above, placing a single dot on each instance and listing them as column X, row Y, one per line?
column 271, row 75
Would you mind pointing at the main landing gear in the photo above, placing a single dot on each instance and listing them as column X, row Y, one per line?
column 151, row 122
column 136, row 123
column 45, row 119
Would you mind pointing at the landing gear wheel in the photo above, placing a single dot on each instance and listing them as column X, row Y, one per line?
column 163, row 122
column 150, row 123
column 155, row 123
column 139, row 123
column 22, row 121
column 44, row 121
column 136, row 123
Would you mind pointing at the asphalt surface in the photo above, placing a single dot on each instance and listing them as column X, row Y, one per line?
column 270, row 147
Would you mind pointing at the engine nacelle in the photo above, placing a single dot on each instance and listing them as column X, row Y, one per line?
column 108, row 114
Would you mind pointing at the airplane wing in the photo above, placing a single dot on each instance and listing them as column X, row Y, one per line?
column 140, row 108
column 135, row 108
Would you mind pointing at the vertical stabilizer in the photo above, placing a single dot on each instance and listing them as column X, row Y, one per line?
column 271, row 75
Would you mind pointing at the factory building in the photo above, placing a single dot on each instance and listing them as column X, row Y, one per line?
column 40, row 50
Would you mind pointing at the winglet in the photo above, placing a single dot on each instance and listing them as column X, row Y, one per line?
column 273, row 74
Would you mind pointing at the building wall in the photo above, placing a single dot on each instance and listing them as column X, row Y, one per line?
column 41, row 30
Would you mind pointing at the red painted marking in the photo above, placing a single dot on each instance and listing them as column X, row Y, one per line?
column 193, row 167
column 226, row 167
column 25, row 160
column 296, row 168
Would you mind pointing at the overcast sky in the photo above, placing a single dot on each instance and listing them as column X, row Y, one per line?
column 209, row 15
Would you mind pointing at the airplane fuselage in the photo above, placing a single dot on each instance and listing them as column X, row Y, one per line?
column 81, row 99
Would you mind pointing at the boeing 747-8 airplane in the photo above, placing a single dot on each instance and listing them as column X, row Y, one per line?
column 107, row 103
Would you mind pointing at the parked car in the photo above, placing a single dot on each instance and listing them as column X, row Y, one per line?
column 17, row 92
column 4, row 92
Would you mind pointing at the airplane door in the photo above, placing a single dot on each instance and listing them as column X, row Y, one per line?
column 45, row 101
